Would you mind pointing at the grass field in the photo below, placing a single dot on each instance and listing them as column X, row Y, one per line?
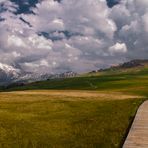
column 135, row 82
column 83, row 119
column 84, row 112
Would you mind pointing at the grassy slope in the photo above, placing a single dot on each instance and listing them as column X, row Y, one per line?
column 64, row 123
column 132, row 82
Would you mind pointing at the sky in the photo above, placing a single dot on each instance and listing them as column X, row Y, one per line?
column 54, row 36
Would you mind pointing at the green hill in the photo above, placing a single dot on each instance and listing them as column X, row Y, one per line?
column 93, row 110
column 131, row 77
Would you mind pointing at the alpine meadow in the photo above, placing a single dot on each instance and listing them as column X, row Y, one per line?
column 73, row 74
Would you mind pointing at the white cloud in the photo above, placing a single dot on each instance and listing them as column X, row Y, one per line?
column 118, row 48
column 16, row 41
column 81, row 35
column 73, row 16
column 145, row 21
column 44, row 63
column 40, row 42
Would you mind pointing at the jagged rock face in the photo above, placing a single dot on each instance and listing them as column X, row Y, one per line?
column 68, row 74
column 10, row 74
column 3, row 76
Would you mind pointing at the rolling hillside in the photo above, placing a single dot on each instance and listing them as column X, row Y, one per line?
column 93, row 110
column 64, row 119
column 130, row 76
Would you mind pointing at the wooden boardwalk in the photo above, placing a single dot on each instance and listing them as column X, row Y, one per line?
column 138, row 135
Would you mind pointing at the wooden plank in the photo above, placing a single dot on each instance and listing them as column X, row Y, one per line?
column 138, row 134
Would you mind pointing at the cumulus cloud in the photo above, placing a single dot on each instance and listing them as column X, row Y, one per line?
column 118, row 48
column 73, row 35
column 132, row 27
column 82, row 31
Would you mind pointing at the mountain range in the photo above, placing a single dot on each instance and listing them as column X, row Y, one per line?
column 10, row 75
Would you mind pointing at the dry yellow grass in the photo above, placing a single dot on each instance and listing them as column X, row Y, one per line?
column 69, row 118
column 72, row 95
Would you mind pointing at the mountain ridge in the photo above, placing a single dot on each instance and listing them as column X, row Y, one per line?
column 129, row 65
column 116, row 77
column 11, row 75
